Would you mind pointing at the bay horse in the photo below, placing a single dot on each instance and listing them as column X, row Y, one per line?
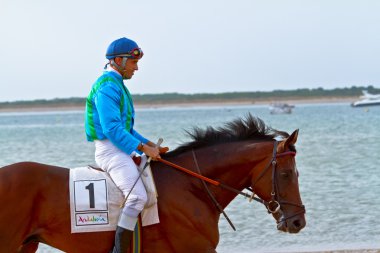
column 243, row 153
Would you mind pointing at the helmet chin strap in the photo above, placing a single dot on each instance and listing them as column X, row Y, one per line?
column 121, row 69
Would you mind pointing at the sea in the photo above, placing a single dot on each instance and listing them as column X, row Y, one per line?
column 338, row 160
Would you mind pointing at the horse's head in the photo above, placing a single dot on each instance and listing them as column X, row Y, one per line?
column 241, row 148
column 279, row 189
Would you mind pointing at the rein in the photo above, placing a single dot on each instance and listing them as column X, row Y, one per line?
column 273, row 206
column 216, row 203
column 209, row 180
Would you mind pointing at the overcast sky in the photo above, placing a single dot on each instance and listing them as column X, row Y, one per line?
column 55, row 49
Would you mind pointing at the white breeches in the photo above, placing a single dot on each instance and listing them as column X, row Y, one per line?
column 124, row 173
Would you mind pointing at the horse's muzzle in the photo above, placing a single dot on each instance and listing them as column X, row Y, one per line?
column 293, row 224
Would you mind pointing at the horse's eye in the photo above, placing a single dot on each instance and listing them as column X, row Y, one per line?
column 285, row 175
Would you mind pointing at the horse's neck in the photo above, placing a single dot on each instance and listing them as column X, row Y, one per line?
column 232, row 164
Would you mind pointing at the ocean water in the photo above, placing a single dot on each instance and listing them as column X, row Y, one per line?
column 338, row 159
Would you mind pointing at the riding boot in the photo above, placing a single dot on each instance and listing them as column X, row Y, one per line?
column 123, row 238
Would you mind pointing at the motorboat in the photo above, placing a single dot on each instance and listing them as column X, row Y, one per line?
column 367, row 99
column 280, row 108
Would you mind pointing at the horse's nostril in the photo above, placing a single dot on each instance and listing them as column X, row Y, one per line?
column 297, row 223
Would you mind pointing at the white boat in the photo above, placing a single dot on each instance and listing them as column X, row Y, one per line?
column 280, row 108
column 367, row 99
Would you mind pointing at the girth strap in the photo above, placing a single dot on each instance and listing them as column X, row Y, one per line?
column 220, row 208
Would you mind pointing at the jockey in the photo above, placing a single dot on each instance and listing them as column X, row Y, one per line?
column 109, row 123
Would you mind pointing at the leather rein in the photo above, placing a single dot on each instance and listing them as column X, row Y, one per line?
column 273, row 206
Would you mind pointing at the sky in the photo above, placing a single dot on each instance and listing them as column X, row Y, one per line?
column 56, row 49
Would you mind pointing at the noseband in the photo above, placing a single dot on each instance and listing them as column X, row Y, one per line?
column 274, row 205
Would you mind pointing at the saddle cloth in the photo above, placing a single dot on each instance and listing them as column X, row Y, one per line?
column 95, row 200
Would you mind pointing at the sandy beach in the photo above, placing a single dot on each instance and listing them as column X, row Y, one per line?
column 292, row 101
column 346, row 251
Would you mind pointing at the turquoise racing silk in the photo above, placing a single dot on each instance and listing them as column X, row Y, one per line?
column 110, row 113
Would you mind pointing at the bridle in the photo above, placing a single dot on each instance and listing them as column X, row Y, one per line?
column 274, row 205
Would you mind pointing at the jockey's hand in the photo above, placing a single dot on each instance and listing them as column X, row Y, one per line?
column 163, row 150
column 152, row 152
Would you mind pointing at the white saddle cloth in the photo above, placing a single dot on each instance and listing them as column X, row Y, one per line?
column 95, row 200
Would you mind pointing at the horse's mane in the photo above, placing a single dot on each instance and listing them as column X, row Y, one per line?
column 250, row 128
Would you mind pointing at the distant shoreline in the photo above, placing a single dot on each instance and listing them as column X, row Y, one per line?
column 238, row 102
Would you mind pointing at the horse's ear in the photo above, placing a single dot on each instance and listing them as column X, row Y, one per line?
column 292, row 139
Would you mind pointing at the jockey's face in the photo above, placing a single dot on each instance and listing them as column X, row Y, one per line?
column 130, row 67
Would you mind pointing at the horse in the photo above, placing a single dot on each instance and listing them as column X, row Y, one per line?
column 242, row 153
